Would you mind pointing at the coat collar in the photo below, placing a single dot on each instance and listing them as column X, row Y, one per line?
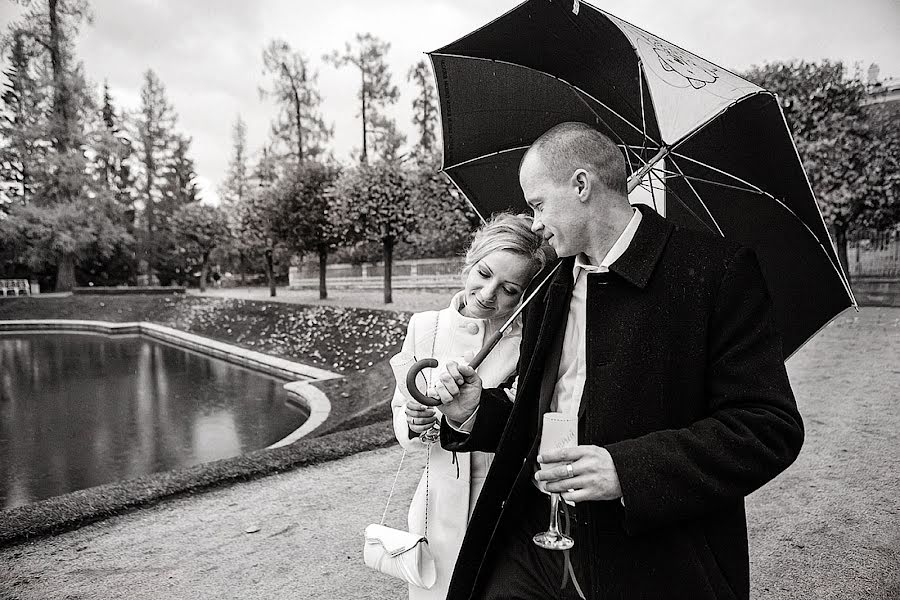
column 457, row 319
column 636, row 265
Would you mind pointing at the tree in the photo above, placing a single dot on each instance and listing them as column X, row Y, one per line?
column 375, row 90
column 233, row 191
column 111, row 177
column 305, row 201
column 386, row 139
column 451, row 220
column 20, row 123
column 201, row 229
column 44, row 235
column 261, row 224
column 375, row 203
column 425, row 113
column 178, row 188
column 260, row 218
column 847, row 164
column 153, row 126
column 49, row 146
column 299, row 126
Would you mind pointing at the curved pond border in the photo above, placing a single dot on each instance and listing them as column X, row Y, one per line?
column 82, row 507
column 302, row 375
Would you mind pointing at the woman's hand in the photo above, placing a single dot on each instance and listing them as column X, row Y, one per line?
column 419, row 417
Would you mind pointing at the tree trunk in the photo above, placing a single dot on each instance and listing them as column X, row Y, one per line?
column 65, row 273
column 323, row 261
column 840, row 241
column 270, row 271
column 204, row 269
column 388, row 267
column 242, row 256
column 362, row 94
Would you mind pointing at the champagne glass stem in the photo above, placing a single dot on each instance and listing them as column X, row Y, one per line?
column 554, row 515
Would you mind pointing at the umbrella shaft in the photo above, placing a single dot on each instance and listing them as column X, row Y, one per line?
column 636, row 177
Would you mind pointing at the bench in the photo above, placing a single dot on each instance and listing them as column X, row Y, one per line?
column 15, row 287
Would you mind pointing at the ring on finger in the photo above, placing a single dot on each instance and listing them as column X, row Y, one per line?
column 570, row 471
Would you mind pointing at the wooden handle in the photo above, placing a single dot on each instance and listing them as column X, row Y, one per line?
column 430, row 363
column 425, row 363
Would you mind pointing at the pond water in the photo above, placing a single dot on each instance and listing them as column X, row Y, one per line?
column 79, row 410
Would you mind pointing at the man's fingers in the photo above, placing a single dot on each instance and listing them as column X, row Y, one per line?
column 452, row 369
column 564, row 485
column 566, row 455
column 468, row 373
column 552, row 473
column 450, row 386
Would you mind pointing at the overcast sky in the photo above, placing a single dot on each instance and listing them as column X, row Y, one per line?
column 208, row 53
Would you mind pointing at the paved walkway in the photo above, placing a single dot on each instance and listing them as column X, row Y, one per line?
column 829, row 527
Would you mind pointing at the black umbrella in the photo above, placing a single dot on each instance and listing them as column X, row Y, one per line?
column 710, row 149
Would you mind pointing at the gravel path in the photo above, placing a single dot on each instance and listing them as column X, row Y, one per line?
column 829, row 527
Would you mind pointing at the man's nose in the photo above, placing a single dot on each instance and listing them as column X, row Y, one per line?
column 536, row 225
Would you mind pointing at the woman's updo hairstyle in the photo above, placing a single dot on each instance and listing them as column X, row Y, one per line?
column 511, row 233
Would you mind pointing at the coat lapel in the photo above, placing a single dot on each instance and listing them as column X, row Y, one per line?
column 548, row 345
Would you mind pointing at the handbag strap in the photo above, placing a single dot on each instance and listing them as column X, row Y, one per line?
column 437, row 321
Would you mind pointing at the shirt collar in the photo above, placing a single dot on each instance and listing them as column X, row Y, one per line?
column 617, row 250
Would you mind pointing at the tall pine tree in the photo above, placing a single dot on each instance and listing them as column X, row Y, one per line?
column 299, row 129
column 369, row 55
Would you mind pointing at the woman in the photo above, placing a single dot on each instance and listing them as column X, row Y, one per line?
column 503, row 258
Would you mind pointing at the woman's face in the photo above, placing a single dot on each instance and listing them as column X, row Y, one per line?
column 495, row 284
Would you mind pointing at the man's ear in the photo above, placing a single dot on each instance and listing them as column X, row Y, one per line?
column 582, row 183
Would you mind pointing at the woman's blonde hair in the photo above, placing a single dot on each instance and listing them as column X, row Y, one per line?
column 510, row 233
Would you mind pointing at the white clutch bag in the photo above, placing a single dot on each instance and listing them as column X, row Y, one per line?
column 400, row 554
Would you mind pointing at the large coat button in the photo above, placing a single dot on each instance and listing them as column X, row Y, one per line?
column 472, row 328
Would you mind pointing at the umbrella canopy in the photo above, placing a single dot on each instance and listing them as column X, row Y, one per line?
column 716, row 151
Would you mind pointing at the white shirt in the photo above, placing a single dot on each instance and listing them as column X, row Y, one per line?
column 572, row 368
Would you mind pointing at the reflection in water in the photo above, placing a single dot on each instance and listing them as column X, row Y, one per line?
column 79, row 410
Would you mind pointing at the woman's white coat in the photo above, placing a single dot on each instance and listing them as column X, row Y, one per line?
column 452, row 487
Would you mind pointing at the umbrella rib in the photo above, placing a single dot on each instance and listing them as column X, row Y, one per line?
column 699, row 199
column 722, row 184
column 653, row 188
column 749, row 185
column 690, row 210
column 840, row 269
column 784, row 206
column 488, row 155
column 464, row 195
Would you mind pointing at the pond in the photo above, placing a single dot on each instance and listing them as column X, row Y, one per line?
column 79, row 410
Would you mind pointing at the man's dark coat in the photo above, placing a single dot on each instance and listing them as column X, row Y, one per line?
column 686, row 388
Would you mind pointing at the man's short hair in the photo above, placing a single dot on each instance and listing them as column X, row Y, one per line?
column 572, row 145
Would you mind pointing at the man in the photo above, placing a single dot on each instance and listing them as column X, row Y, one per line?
column 662, row 341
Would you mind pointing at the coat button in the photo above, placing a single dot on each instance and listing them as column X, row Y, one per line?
column 472, row 328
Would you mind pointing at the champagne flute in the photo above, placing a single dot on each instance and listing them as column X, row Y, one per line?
column 559, row 431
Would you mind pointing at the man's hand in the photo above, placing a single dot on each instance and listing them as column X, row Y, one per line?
column 593, row 475
column 459, row 388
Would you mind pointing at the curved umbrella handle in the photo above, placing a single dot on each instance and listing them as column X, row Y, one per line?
column 413, row 389
column 430, row 363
